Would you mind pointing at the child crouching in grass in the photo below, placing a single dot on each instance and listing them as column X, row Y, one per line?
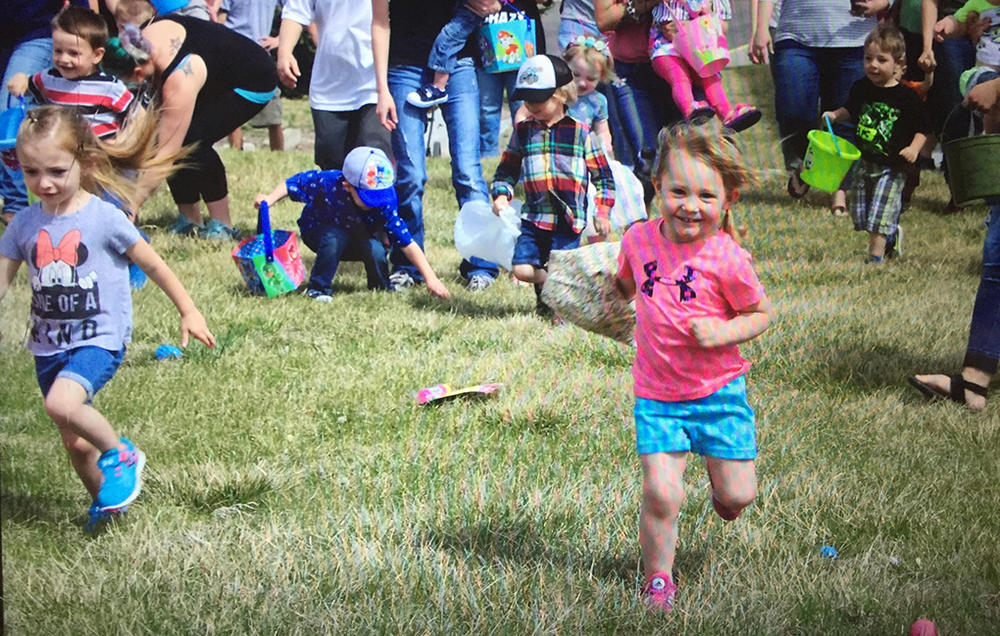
column 697, row 298
column 557, row 156
column 351, row 210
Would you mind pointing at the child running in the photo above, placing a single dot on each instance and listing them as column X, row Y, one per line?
column 557, row 155
column 77, row 248
column 352, row 209
column 698, row 298
column 668, row 64
column 892, row 128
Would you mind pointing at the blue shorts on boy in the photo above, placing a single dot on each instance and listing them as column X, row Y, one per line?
column 90, row 367
column 534, row 245
column 717, row 425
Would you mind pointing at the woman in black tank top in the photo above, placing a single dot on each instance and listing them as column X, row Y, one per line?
column 211, row 81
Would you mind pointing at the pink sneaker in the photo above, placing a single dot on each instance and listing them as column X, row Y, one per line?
column 659, row 592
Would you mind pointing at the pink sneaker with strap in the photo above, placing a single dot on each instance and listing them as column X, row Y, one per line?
column 659, row 592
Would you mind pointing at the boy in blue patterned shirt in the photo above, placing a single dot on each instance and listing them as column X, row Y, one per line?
column 352, row 209
column 558, row 156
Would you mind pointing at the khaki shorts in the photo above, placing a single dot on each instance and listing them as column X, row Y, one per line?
column 269, row 116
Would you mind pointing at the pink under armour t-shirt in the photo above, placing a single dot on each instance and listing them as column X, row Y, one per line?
column 676, row 282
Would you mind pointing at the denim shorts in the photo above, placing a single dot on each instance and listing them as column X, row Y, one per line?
column 535, row 244
column 90, row 367
column 717, row 425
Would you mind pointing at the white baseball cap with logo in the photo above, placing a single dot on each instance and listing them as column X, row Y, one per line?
column 372, row 175
column 539, row 77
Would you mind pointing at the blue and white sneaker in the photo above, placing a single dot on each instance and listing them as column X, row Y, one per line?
column 97, row 517
column 122, row 470
column 427, row 96
column 216, row 230
column 184, row 227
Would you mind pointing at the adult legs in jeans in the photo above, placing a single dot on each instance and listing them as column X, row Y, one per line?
column 983, row 350
column 461, row 115
column 28, row 58
column 491, row 91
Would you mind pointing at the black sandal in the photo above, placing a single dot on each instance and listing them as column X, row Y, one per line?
column 801, row 190
column 957, row 388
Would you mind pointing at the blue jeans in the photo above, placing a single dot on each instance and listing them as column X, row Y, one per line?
column 331, row 246
column 808, row 80
column 491, row 91
column 461, row 116
column 451, row 40
column 28, row 58
column 645, row 106
column 983, row 351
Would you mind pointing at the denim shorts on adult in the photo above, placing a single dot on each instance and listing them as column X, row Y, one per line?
column 535, row 244
column 90, row 367
column 717, row 425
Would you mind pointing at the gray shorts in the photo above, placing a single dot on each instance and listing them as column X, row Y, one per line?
column 270, row 115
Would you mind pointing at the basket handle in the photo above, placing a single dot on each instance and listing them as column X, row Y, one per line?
column 20, row 101
column 264, row 229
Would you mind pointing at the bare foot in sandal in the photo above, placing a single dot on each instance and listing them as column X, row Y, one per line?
column 839, row 205
column 972, row 392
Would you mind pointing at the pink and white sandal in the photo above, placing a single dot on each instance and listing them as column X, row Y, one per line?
column 742, row 117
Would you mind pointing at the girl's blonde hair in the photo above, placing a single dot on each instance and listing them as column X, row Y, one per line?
column 102, row 162
column 596, row 58
column 566, row 93
column 715, row 145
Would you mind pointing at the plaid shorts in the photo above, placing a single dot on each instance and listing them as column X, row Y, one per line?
column 878, row 196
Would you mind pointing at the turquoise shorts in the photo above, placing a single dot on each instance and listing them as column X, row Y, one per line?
column 717, row 425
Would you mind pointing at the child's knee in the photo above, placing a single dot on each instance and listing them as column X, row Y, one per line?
column 524, row 273
column 663, row 500
column 734, row 500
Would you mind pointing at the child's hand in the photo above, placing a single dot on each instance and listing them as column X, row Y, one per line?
column 603, row 226
column 437, row 288
column 668, row 30
column 18, row 85
column 976, row 27
column 260, row 198
column 502, row 202
column 709, row 332
column 194, row 324
column 909, row 153
column 944, row 27
column 831, row 115
column 926, row 61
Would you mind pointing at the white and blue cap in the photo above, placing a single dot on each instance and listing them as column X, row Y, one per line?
column 539, row 77
column 372, row 175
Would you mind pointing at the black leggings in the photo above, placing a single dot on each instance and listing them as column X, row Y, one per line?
column 203, row 175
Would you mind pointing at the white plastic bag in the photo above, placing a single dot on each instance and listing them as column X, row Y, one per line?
column 480, row 233
column 629, row 203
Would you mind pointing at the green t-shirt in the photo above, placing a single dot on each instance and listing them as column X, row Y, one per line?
column 909, row 16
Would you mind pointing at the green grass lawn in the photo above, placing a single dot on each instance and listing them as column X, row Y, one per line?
column 294, row 486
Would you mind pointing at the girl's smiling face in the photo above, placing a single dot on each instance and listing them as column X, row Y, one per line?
column 693, row 198
column 586, row 78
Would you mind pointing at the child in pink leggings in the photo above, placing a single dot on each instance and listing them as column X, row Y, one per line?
column 668, row 64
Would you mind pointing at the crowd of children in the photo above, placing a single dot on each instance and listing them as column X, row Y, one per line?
column 696, row 294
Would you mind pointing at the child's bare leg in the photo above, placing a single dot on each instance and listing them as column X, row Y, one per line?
column 276, row 137
column 441, row 79
column 662, row 498
column 876, row 244
column 236, row 139
column 991, row 122
column 734, row 485
column 85, row 432
column 530, row 274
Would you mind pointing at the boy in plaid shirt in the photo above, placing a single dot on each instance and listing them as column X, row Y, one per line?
column 557, row 156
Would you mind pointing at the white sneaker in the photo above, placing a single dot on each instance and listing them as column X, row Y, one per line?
column 479, row 282
column 402, row 279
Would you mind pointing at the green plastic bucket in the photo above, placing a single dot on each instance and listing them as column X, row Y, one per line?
column 822, row 167
column 973, row 168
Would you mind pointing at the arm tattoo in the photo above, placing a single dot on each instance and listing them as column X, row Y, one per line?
column 186, row 66
column 175, row 45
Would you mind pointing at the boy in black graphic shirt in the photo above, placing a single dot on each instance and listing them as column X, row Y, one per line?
column 892, row 127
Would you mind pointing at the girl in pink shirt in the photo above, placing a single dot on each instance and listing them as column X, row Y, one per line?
column 697, row 297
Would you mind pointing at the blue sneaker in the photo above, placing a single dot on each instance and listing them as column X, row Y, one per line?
column 183, row 227
column 427, row 96
column 122, row 470
column 97, row 517
column 216, row 230
column 137, row 278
